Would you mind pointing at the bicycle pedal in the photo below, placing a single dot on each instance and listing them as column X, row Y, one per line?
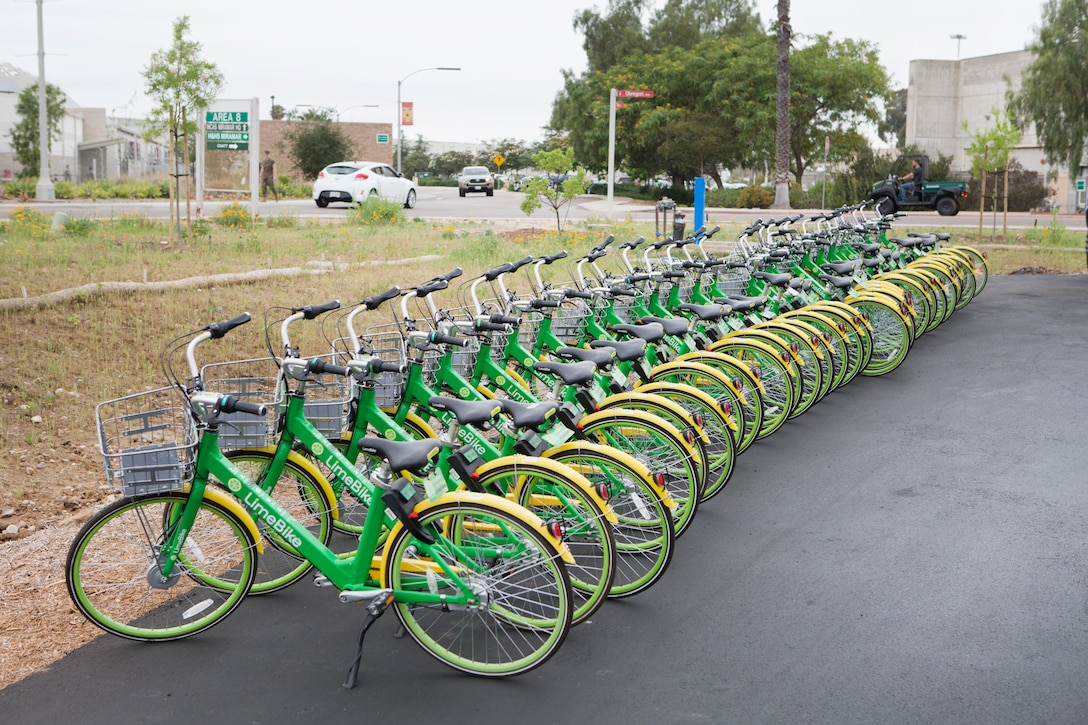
column 321, row 581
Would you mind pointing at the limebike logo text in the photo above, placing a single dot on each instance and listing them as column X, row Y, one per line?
column 469, row 440
column 349, row 476
column 272, row 519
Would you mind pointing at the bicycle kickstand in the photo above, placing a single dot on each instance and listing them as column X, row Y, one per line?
column 379, row 602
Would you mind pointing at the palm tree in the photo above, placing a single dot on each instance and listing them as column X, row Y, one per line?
column 782, row 111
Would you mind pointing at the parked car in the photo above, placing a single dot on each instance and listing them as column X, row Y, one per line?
column 476, row 178
column 357, row 181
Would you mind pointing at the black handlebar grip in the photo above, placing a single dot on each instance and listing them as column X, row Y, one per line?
column 230, row 404
column 623, row 291
column 548, row 259
column 319, row 366
column 717, row 228
column 541, row 304
column 638, row 278
column 492, row 274
column 452, row 274
column 674, row 274
column 218, row 329
column 595, row 254
column 425, row 289
column 521, row 263
column 607, row 240
column 312, row 311
column 488, row 326
column 569, row 292
column 375, row 301
column 699, row 232
column 377, row 365
column 439, row 338
column 505, row 320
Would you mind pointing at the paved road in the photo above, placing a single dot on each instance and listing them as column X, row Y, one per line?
column 912, row 550
column 444, row 203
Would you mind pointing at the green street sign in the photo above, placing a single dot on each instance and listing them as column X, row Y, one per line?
column 227, row 135
column 228, row 145
column 1080, row 184
column 383, row 138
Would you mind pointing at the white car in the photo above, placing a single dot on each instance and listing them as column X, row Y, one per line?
column 357, row 181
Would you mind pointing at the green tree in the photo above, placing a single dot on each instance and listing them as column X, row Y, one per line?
column 1054, row 90
column 684, row 24
column 180, row 84
column 416, row 157
column 836, row 87
column 894, row 125
column 25, row 136
column 516, row 154
column 541, row 191
column 450, row 163
column 989, row 151
column 611, row 38
column 313, row 144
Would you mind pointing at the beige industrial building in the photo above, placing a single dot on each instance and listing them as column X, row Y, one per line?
column 941, row 94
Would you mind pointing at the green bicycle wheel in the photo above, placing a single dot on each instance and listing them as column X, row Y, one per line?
column 643, row 530
column 113, row 568
column 657, row 445
column 586, row 532
column 521, row 605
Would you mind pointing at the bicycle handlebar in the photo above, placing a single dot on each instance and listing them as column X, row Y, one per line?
column 231, row 404
column 439, row 338
column 312, row 311
column 317, row 365
column 451, row 275
column 218, row 329
column 548, row 259
column 375, row 301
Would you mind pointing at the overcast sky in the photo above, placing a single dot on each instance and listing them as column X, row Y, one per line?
column 511, row 52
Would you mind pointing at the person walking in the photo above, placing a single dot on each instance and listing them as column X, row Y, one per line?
column 268, row 177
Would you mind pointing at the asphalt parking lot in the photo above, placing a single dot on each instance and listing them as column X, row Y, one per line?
column 912, row 550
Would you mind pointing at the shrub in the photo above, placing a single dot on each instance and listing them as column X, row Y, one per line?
column 376, row 212
column 28, row 222
column 437, row 181
column 80, row 226
column 281, row 221
column 15, row 188
column 755, row 197
column 234, row 216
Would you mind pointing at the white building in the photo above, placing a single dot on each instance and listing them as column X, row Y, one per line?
column 90, row 146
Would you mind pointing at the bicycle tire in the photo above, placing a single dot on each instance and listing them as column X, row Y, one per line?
column 110, row 563
column 643, row 530
column 660, row 447
column 525, row 604
column 552, row 495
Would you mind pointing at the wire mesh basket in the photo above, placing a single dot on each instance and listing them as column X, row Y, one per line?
column 569, row 321
column 627, row 307
column 258, row 381
column 464, row 358
column 684, row 286
column 527, row 331
column 148, row 441
column 732, row 281
column 387, row 342
column 252, row 381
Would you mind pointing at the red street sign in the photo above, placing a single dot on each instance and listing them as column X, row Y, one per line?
column 634, row 94
column 619, row 104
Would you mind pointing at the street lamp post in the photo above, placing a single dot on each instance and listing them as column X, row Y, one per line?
column 361, row 105
column 958, row 37
column 400, row 141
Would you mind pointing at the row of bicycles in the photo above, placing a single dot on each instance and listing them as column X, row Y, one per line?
column 491, row 465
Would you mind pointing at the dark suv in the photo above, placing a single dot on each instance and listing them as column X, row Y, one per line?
column 476, row 178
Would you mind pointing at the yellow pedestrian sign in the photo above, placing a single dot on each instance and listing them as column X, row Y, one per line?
column 498, row 159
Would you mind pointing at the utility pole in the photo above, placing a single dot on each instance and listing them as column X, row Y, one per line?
column 44, row 190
